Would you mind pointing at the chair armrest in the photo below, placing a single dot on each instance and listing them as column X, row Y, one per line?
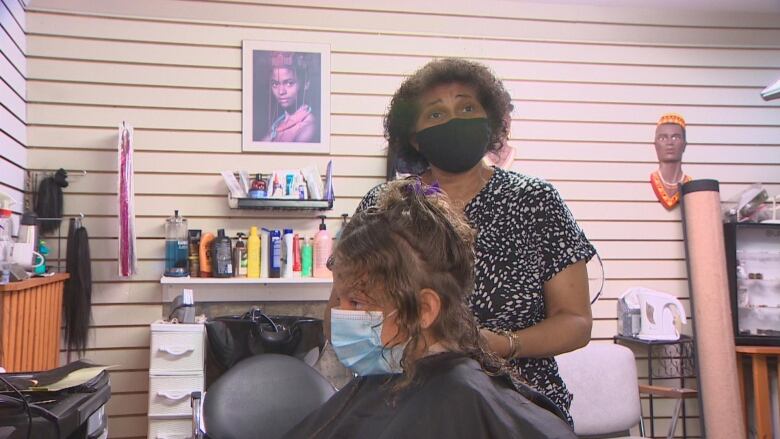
column 195, row 403
column 669, row 392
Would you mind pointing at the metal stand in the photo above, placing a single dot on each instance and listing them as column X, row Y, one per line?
column 678, row 364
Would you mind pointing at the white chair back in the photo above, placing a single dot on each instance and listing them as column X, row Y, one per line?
column 603, row 379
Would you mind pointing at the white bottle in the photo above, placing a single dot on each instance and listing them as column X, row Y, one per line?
column 265, row 238
column 287, row 253
column 6, row 237
column 323, row 245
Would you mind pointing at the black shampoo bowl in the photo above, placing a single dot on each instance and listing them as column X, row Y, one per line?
column 234, row 338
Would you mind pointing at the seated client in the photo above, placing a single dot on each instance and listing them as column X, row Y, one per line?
column 401, row 272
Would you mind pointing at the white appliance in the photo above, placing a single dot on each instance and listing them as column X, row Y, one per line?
column 657, row 315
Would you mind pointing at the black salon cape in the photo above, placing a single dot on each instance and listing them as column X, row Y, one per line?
column 454, row 399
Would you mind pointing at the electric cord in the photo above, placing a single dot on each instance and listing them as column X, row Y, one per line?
column 25, row 404
column 601, row 287
column 176, row 309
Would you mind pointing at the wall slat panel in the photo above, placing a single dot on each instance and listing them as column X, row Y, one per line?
column 12, row 125
column 12, row 101
column 177, row 76
column 132, row 404
column 11, row 75
column 127, row 426
column 14, row 152
column 11, row 26
column 137, row 381
column 412, row 18
column 178, row 54
column 10, row 50
column 17, row 11
column 588, row 84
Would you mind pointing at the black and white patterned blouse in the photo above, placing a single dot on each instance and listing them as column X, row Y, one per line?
column 525, row 236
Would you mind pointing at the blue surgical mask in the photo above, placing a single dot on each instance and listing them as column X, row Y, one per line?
column 356, row 337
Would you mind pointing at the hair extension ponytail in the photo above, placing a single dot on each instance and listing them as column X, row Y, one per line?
column 48, row 203
column 77, row 300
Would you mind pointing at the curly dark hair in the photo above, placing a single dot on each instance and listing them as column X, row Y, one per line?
column 404, row 109
column 413, row 240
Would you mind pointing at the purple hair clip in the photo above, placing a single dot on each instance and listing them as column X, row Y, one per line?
column 421, row 188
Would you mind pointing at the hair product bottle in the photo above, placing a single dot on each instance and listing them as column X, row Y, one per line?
column 287, row 253
column 323, row 244
column 222, row 254
column 306, row 256
column 265, row 255
column 205, row 254
column 253, row 254
column 297, row 244
column 239, row 257
column 275, row 254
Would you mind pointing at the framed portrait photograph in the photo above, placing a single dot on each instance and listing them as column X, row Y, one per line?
column 286, row 97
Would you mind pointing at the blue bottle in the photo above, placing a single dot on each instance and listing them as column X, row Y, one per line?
column 275, row 254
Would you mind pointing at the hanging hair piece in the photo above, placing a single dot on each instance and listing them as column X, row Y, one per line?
column 48, row 203
column 77, row 297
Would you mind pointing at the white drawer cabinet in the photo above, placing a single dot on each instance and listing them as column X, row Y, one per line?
column 170, row 429
column 176, row 351
column 175, row 371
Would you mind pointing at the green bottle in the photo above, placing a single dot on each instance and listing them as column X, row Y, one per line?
column 306, row 257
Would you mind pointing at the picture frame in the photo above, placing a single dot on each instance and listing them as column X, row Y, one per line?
column 285, row 97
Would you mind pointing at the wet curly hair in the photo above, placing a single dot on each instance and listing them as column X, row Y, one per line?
column 399, row 122
column 415, row 239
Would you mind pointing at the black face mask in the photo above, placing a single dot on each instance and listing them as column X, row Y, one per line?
column 455, row 146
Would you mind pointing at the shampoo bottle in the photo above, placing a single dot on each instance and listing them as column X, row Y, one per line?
column 253, row 254
column 222, row 254
column 265, row 255
column 323, row 244
column 239, row 257
column 306, row 257
column 275, row 254
column 297, row 244
column 205, row 254
column 287, row 252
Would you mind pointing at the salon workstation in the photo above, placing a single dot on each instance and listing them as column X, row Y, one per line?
column 503, row 219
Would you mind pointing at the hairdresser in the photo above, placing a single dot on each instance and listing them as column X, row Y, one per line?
column 531, row 290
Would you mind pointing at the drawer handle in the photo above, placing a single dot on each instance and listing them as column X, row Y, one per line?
column 176, row 350
column 174, row 395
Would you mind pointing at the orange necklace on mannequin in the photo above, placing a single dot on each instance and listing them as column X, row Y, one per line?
column 664, row 191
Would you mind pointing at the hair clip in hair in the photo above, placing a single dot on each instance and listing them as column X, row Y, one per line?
column 420, row 188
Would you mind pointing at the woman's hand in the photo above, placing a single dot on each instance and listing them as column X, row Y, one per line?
column 497, row 343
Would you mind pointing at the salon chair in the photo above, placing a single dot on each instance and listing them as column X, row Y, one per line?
column 603, row 379
column 262, row 396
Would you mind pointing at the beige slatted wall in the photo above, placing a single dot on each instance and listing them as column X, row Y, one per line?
column 588, row 84
column 13, row 111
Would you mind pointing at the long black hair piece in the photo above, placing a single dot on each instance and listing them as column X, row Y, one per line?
column 48, row 201
column 77, row 300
